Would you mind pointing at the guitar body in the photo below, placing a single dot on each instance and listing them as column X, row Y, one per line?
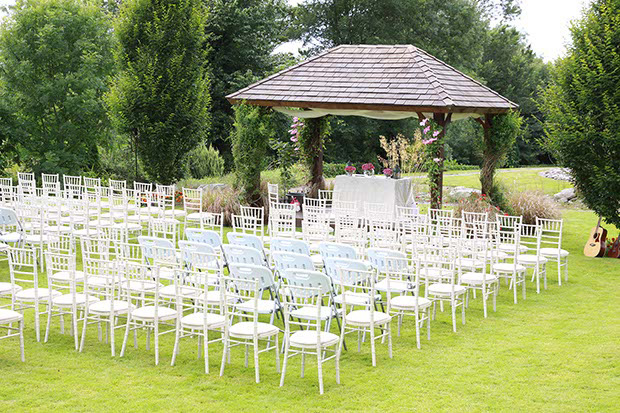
column 595, row 247
column 614, row 250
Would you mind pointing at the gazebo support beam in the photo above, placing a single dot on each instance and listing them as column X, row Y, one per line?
column 489, row 157
column 437, row 190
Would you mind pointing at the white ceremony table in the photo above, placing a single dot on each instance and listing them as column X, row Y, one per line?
column 375, row 189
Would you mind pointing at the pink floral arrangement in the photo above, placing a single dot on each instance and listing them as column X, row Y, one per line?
column 368, row 167
column 350, row 168
column 387, row 172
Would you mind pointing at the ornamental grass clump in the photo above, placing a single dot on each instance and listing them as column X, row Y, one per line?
column 476, row 203
column 225, row 200
column 532, row 204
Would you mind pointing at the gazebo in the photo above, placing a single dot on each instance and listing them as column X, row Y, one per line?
column 376, row 81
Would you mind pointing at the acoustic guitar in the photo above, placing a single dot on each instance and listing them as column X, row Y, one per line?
column 614, row 250
column 595, row 247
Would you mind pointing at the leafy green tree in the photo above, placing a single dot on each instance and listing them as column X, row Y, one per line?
column 250, row 138
column 242, row 36
column 55, row 57
column 582, row 108
column 161, row 98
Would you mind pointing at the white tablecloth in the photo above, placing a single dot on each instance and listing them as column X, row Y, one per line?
column 376, row 189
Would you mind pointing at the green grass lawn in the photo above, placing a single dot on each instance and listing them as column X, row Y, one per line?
column 519, row 179
column 555, row 351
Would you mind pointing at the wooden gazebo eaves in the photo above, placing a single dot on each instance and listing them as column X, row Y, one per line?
column 375, row 80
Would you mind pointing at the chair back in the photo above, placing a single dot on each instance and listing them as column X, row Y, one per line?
column 239, row 254
column 289, row 245
column 205, row 236
column 334, row 249
column 284, row 260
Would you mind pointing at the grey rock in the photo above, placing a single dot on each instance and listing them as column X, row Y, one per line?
column 212, row 187
column 461, row 192
column 559, row 174
column 565, row 195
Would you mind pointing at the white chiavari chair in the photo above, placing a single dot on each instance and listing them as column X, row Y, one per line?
column 513, row 272
column 196, row 314
column 50, row 184
column 141, row 285
column 24, row 273
column 241, row 298
column 282, row 220
column 311, row 340
column 551, row 244
column 533, row 259
column 357, row 297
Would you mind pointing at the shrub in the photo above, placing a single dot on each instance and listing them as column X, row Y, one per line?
column 205, row 161
column 476, row 203
column 225, row 200
column 532, row 204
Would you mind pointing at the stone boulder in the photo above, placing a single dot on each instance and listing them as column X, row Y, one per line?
column 566, row 195
column 461, row 192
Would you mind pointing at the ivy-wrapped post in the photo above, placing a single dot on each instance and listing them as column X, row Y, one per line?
column 313, row 136
column 489, row 157
column 433, row 137
column 250, row 138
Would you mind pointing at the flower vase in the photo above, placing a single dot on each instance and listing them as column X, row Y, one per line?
column 349, row 173
column 369, row 172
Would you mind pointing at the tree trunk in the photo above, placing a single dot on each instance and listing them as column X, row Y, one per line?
column 489, row 159
column 437, row 189
column 315, row 148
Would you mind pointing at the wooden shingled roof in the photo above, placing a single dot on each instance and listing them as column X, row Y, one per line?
column 375, row 77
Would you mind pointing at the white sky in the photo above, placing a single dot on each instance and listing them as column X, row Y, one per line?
column 545, row 22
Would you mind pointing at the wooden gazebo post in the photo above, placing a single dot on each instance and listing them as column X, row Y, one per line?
column 314, row 147
column 437, row 191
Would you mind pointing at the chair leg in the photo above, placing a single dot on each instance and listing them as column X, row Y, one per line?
column 177, row 335
column 372, row 346
column 21, row 339
column 303, row 363
column 126, row 335
column 206, row 350
column 559, row 271
column 83, row 339
column 37, row 321
column 224, row 353
column 514, row 290
column 320, row 365
column 277, row 354
column 256, row 365
column 74, row 327
column 48, row 324
column 156, row 332
column 389, row 334
column 286, row 350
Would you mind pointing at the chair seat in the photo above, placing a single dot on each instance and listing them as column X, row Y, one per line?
column 407, row 302
column 529, row 259
column 130, row 226
column 470, row 263
column 436, row 273
column 445, row 289
column 35, row 239
column 196, row 321
column 214, row 297
column 317, row 260
column 476, row 278
column 396, row 286
column 264, row 306
column 145, row 285
column 500, row 255
column 354, row 299
column 308, row 339
column 147, row 313
column 553, row 252
column 28, row 294
column 198, row 216
column 85, row 232
column 65, row 276
column 510, row 248
column 245, row 329
column 66, row 300
column 174, row 213
column 58, row 229
column 10, row 237
column 362, row 318
column 105, row 307
column 9, row 316
column 508, row 267
column 309, row 313
column 5, row 288
column 169, row 291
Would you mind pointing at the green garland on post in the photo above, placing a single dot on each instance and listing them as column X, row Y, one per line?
column 312, row 138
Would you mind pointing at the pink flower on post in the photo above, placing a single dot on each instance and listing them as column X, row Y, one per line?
column 436, row 133
column 427, row 130
column 437, row 160
column 294, row 139
column 424, row 122
column 428, row 141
